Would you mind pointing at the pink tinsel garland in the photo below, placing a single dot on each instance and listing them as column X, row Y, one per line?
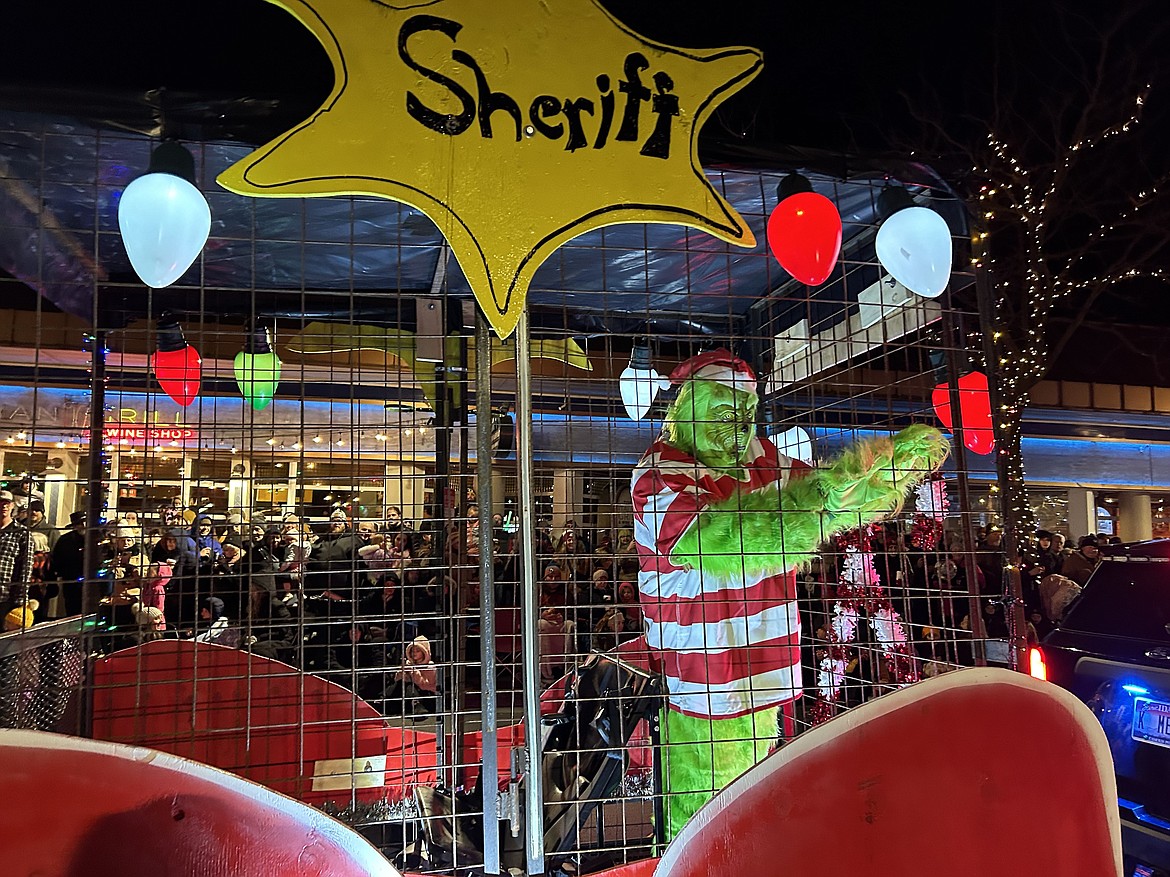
column 859, row 589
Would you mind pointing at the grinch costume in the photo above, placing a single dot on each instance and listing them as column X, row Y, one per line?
column 721, row 519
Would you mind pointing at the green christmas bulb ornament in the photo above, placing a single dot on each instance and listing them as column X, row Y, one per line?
column 257, row 369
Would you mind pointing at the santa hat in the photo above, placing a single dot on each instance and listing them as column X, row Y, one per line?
column 720, row 366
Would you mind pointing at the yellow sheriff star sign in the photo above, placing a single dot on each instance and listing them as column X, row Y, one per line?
column 515, row 125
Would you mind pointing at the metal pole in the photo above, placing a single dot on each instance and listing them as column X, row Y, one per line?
column 450, row 620
column 533, row 791
column 489, row 769
column 459, row 633
column 95, row 501
column 94, row 512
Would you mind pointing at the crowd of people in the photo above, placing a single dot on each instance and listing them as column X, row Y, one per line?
column 355, row 603
column 366, row 602
column 937, row 591
column 1052, row 573
column 362, row 603
column 588, row 596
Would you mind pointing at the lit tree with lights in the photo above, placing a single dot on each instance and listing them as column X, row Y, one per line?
column 1072, row 207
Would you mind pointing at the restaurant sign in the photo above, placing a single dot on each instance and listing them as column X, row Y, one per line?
column 515, row 125
column 133, row 433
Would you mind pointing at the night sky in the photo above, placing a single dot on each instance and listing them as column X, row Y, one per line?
column 878, row 78
column 837, row 75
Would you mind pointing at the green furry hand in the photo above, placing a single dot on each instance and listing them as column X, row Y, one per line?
column 918, row 450
column 870, row 479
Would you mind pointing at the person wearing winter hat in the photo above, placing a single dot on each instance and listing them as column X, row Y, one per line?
column 1079, row 565
column 207, row 546
column 719, row 513
column 67, row 561
column 419, row 678
column 150, row 622
column 21, row 618
column 37, row 523
column 333, row 566
column 212, row 609
column 219, row 630
column 129, row 556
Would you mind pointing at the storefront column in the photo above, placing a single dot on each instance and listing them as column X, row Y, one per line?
column 405, row 489
column 568, row 496
column 240, row 494
column 61, row 491
column 1135, row 517
column 293, row 505
column 1082, row 513
column 187, row 491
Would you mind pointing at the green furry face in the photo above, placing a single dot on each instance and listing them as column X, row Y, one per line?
column 712, row 422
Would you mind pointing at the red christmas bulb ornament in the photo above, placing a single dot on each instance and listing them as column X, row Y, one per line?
column 974, row 411
column 176, row 364
column 804, row 231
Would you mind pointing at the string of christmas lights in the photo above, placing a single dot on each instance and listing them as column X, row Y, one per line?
column 1034, row 261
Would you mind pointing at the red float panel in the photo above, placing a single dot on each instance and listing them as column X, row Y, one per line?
column 87, row 808
column 977, row 772
column 293, row 732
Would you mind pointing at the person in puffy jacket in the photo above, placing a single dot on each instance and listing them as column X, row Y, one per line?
column 1079, row 565
column 177, row 549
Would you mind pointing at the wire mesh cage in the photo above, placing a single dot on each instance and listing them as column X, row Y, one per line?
column 312, row 523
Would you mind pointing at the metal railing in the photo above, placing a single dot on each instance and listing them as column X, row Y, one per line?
column 42, row 671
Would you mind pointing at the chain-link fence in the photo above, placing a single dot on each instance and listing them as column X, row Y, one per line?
column 42, row 670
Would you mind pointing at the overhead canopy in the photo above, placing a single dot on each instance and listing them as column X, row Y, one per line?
column 369, row 260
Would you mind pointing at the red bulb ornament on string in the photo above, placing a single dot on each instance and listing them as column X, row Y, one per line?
column 804, row 231
column 974, row 411
column 176, row 364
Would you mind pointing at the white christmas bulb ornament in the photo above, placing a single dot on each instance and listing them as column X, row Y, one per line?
column 640, row 384
column 164, row 218
column 914, row 245
column 796, row 443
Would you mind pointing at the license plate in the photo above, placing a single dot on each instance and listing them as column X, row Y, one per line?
column 1151, row 721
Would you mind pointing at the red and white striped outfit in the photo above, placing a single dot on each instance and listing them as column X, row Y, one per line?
column 728, row 646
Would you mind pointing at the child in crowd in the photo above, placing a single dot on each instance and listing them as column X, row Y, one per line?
column 150, row 622
column 219, row 629
column 154, row 589
column 419, row 678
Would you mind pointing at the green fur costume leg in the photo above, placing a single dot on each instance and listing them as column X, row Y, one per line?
column 702, row 755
